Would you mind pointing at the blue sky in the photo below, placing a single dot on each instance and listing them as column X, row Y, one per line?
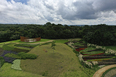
column 70, row 12
column 22, row 1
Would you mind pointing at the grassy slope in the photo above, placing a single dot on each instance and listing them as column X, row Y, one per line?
column 62, row 62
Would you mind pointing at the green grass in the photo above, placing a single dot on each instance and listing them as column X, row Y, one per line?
column 93, row 52
column 60, row 63
column 111, row 47
column 61, row 41
column 79, row 44
column 88, row 49
column 7, row 47
column 12, row 45
column 99, row 59
column 26, row 45
column 7, row 71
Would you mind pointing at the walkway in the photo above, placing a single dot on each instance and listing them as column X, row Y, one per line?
column 102, row 70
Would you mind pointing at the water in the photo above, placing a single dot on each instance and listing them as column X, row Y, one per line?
column 114, row 75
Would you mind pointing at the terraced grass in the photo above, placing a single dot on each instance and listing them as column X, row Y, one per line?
column 87, row 49
column 93, row 52
column 61, row 41
column 78, row 44
column 100, row 59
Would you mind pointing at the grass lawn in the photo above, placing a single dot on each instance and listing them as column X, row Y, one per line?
column 62, row 63
column 7, row 71
column 61, row 41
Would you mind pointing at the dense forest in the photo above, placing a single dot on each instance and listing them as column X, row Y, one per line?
column 101, row 34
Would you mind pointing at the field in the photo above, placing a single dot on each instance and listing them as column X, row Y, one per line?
column 63, row 62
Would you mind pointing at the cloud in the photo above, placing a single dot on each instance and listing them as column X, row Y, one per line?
column 57, row 11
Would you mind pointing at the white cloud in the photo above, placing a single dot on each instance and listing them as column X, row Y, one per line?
column 58, row 11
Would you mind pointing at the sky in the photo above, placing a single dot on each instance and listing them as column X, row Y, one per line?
column 70, row 12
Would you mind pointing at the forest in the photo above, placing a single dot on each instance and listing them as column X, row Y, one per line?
column 100, row 34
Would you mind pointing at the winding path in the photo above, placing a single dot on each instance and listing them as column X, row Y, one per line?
column 102, row 70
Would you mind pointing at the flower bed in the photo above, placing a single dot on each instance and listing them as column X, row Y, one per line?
column 79, row 49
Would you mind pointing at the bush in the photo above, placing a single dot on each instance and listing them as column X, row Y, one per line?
column 27, row 56
column 12, row 55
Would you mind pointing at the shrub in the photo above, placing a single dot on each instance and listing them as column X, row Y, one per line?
column 12, row 55
column 27, row 56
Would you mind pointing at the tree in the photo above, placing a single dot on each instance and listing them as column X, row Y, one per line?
column 53, row 46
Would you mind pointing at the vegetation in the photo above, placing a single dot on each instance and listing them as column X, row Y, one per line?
column 12, row 55
column 26, row 45
column 88, row 49
column 7, row 71
column 16, row 64
column 107, row 71
column 27, row 55
column 100, row 34
column 93, row 52
column 6, row 47
column 53, row 46
column 1, row 61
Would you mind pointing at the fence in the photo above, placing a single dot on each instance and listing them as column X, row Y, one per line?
column 26, row 39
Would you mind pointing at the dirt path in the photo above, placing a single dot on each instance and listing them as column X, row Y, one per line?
column 102, row 70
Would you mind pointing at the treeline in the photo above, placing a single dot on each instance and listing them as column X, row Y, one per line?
column 101, row 34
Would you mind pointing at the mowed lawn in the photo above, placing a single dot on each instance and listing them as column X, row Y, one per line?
column 7, row 71
column 62, row 63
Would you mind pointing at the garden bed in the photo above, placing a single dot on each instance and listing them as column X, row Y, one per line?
column 106, row 63
column 95, row 57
